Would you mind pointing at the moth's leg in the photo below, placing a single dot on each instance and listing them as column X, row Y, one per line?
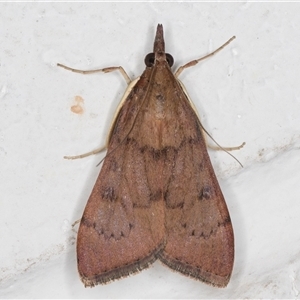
column 105, row 70
column 76, row 222
column 227, row 149
column 217, row 148
column 86, row 154
column 194, row 62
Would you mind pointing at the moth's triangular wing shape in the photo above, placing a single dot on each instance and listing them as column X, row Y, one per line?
column 156, row 195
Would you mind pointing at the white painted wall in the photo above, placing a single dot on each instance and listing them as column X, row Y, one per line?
column 249, row 92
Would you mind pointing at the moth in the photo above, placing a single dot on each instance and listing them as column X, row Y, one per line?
column 157, row 196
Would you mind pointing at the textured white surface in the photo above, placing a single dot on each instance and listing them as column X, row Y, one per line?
column 248, row 92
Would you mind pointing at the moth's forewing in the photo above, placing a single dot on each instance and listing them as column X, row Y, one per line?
column 122, row 228
column 199, row 233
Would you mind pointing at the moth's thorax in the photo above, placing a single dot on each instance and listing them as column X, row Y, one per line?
column 160, row 95
column 159, row 107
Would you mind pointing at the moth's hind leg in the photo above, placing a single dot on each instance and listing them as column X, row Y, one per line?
column 217, row 148
column 98, row 150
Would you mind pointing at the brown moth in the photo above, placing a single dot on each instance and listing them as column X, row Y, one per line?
column 157, row 196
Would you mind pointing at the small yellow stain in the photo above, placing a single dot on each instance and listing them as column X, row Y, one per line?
column 78, row 107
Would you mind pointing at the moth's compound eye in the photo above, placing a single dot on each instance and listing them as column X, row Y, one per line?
column 170, row 59
column 149, row 59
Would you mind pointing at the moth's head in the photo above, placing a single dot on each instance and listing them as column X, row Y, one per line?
column 158, row 53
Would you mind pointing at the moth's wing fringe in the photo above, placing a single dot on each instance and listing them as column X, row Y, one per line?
column 116, row 274
column 190, row 272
